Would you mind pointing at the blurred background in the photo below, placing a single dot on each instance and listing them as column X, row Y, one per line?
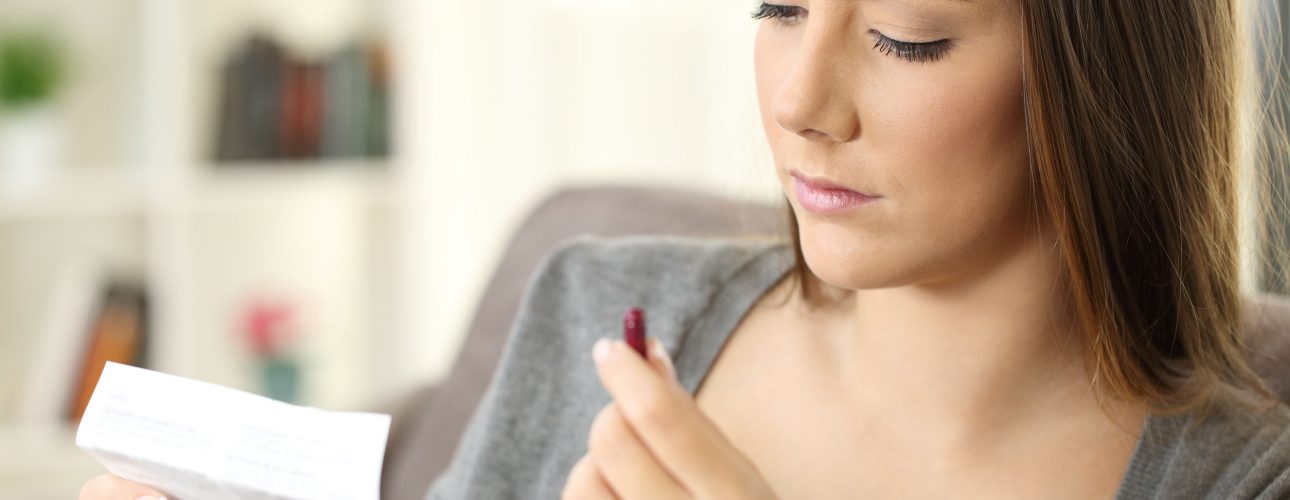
column 305, row 198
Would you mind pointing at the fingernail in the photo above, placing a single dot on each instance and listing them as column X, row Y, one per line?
column 601, row 350
column 657, row 350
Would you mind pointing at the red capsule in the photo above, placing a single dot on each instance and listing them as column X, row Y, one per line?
column 634, row 330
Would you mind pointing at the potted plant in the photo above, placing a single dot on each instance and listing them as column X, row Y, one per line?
column 270, row 327
column 31, row 73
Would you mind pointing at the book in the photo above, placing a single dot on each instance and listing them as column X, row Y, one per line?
column 348, row 86
column 300, row 134
column 378, row 115
column 275, row 104
column 117, row 335
column 196, row 440
column 74, row 303
column 250, row 114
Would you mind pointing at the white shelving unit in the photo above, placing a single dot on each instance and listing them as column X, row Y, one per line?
column 204, row 237
column 496, row 103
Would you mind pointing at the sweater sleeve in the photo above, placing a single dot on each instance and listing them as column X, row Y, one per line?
column 508, row 448
column 1231, row 453
column 532, row 422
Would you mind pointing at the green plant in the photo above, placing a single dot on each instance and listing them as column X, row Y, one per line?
column 30, row 68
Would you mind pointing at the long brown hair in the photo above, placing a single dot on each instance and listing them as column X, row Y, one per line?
column 1135, row 128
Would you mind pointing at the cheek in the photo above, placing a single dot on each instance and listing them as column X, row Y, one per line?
column 962, row 173
column 936, row 137
column 951, row 158
column 954, row 153
column 946, row 147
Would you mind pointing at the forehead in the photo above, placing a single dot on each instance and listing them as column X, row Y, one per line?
column 971, row 7
column 931, row 4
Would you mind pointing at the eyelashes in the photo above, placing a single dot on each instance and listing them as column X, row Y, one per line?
column 783, row 14
column 910, row 51
column 788, row 15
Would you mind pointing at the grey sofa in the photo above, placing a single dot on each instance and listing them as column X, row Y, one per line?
column 427, row 424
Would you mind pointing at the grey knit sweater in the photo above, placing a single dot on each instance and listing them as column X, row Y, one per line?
column 532, row 424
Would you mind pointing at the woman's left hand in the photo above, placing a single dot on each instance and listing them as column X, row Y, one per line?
column 652, row 441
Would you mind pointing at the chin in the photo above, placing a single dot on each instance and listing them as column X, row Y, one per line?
column 846, row 258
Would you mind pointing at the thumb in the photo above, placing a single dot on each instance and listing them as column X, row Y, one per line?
column 111, row 486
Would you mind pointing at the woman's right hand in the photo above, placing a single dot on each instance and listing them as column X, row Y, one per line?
column 109, row 487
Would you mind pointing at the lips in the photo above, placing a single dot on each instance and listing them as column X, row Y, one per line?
column 825, row 197
column 824, row 184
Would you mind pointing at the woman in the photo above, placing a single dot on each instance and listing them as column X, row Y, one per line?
column 1013, row 273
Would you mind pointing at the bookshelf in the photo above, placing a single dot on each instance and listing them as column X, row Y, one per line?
column 89, row 195
column 140, row 193
column 494, row 106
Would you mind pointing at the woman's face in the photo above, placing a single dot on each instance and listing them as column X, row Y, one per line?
column 934, row 133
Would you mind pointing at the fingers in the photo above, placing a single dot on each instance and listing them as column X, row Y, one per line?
column 585, row 483
column 625, row 463
column 110, row 487
column 659, row 359
column 667, row 421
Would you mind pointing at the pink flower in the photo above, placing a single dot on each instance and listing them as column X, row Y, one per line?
column 268, row 326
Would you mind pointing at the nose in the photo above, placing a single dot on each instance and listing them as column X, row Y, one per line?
column 814, row 100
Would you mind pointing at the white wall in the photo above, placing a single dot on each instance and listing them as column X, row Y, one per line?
column 499, row 103
column 507, row 99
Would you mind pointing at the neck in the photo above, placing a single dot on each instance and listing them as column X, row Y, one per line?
column 968, row 361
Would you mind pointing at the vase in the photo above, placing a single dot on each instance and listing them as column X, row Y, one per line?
column 281, row 378
column 30, row 140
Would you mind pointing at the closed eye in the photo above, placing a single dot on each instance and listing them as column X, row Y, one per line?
column 782, row 14
column 787, row 15
column 910, row 51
